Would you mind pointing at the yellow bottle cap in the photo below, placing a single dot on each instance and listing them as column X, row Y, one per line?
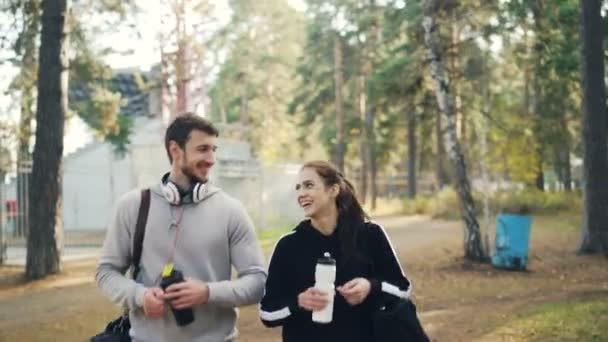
column 167, row 270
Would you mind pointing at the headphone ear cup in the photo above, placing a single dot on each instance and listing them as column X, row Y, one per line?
column 198, row 192
column 171, row 193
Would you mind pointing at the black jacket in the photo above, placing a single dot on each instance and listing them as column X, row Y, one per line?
column 292, row 271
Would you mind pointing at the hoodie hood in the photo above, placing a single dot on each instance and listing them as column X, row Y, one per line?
column 305, row 227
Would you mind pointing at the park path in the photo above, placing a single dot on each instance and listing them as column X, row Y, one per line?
column 70, row 296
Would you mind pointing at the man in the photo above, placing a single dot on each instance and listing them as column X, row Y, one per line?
column 192, row 227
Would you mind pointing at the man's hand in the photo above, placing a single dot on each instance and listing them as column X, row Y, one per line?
column 355, row 291
column 312, row 299
column 187, row 294
column 154, row 304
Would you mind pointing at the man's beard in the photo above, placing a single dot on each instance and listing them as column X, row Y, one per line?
column 188, row 171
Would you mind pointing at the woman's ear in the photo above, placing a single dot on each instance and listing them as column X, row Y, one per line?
column 335, row 190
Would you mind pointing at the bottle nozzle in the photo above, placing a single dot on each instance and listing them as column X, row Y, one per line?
column 326, row 259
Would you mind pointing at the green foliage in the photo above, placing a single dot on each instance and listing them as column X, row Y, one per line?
column 537, row 202
column 277, row 65
column 550, row 54
column 7, row 138
column 445, row 203
column 100, row 108
column 268, row 237
column 120, row 138
column 263, row 40
column 398, row 87
column 87, row 69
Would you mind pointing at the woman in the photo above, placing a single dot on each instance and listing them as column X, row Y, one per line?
column 367, row 269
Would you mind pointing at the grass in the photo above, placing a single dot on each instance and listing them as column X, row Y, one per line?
column 268, row 237
column 497, row 305
column 566, row 221
column 563, row 321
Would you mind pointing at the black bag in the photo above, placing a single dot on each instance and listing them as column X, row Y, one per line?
column 118, row 329
column 396, row 321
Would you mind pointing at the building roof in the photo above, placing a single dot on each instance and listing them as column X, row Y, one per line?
column 136, row 99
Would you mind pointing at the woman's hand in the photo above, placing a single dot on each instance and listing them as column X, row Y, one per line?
column 312, row 299
column 355, row 291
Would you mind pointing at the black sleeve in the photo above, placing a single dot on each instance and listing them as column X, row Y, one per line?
column 388, row 278
column 278, row 305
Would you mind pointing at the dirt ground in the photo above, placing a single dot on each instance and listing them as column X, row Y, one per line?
column 457, row 301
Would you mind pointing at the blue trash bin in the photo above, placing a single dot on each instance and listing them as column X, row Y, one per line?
column 512, row 241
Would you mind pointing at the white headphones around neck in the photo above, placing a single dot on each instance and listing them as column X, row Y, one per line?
column 173, row 196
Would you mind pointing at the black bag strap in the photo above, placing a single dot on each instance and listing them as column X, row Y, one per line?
column 140, row 230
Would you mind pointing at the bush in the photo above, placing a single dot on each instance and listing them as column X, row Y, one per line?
column 446, row 205
column 537, row 202
column 443, row 205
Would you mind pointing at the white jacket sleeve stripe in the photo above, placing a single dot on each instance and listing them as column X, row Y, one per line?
column 409, row 289
column 275, row 315
column 395, row 291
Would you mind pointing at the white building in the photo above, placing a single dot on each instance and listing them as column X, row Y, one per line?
column 94, row 177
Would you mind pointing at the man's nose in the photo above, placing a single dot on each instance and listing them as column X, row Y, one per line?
column 210, row 158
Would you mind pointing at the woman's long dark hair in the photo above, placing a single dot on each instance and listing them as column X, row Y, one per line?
column 351, row 215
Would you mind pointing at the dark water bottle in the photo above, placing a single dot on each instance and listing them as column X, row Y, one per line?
column 182, row 316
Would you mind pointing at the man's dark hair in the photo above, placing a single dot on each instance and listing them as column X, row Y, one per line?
column 179, row 130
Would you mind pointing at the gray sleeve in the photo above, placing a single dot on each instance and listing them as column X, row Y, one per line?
column 116, row 254
column 246, row 257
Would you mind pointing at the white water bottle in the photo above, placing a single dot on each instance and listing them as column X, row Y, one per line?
column 325, row 276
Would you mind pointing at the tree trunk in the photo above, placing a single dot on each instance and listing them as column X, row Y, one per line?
column 222, row 107
column 373, row 183
column 181, row 61
column 473, row 245
column 564, row 158
column 244, row 116
column 371, row 105
column 486, row 102
column 44, row 239
column 361, row 106
column 166, row 109
column 537, row 96
column 27, row 79
column 441, row 173
column 340, row 147
column 371, row 156
column 595, row 135
column 526, row 104
column 526, row 68
column 455, row 77
column 411, row 150
column 566, row 168
column 539, row 180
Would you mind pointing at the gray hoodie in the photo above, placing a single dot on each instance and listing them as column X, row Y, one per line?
column 214, row 235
